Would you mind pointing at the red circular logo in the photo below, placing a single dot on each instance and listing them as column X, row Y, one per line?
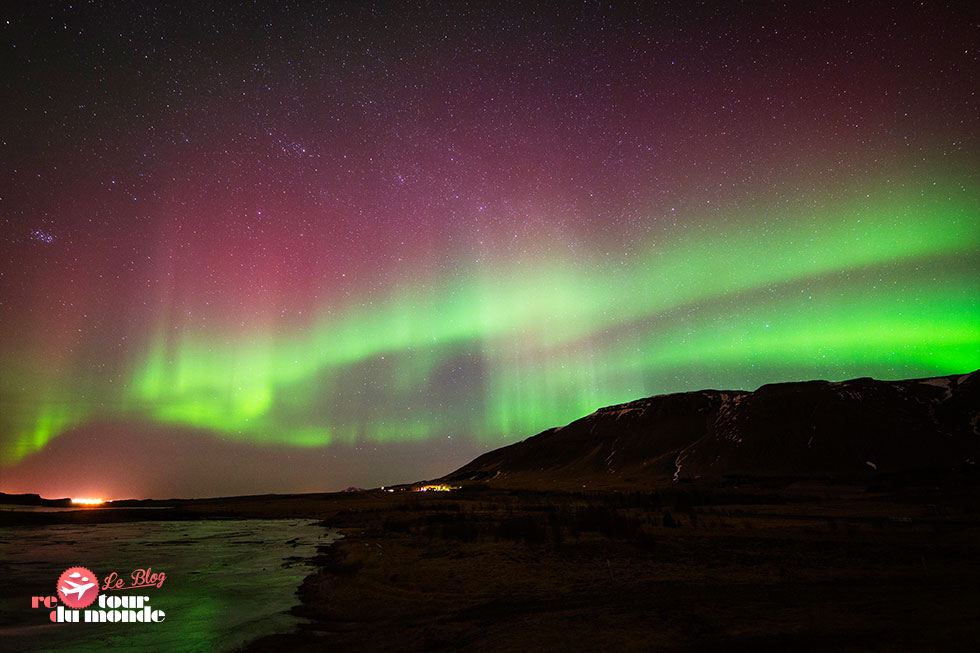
column 77, row 587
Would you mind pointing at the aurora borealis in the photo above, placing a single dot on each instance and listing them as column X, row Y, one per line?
column 297, row 247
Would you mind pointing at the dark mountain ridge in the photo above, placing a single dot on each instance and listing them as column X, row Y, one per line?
column 810, row 429
column 31, row 500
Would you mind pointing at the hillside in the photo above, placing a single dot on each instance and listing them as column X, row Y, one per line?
column 813, row 429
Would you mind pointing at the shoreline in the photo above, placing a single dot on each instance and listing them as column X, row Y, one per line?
column 513, row 571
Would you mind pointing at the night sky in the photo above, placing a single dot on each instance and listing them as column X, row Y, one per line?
column 284, row 246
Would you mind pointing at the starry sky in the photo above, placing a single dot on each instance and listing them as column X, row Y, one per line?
column 296, row 246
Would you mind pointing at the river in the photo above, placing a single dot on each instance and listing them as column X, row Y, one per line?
column 225, row 582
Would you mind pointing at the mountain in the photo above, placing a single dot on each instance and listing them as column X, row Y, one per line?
column 811, row 429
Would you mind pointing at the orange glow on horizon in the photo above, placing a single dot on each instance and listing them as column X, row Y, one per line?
column 86, row 501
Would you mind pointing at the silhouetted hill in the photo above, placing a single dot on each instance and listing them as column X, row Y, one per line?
column 815, row 429
column 31, row 500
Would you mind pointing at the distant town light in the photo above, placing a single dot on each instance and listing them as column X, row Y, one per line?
column 436, row 488
column 86, row 501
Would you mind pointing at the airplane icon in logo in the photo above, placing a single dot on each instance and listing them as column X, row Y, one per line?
column 77, row 588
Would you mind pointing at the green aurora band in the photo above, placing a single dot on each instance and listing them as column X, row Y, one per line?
column 882, row 282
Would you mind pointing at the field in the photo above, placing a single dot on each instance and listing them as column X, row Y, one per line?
column 804, row 567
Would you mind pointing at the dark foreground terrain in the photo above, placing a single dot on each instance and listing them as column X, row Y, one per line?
column 680, row 569
column 736, row 566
